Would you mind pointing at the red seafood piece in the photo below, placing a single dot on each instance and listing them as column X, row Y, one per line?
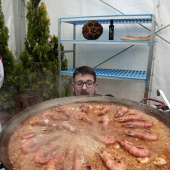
column 33, row 144
column 41, row 122
column 121, row 111
column 135, row 150
column 45, row 153
column 142, row 134
column 90, row 167
column 49, row 124
column 69, row 167
column 48, row 140
column 68, row 126
column 78, row 159
column 129, row 117
column 138, row 124
column 32, row 133
column 28, row 134
column 30, row 145
column 104, row 120
column 83, row 116
column 48, row 128
column 54, row 115
column 112, row 162
column 108, row 140
column 55, row 162
column 63, row 110
column 104, row 110
column 85, row 107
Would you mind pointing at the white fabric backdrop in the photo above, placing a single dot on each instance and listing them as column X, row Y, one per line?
column 7, row 8
column 135, row 58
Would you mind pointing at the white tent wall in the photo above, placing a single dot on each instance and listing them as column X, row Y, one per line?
column 93, row 55
column 7, row 8
column 161, row 78
column 14, row 12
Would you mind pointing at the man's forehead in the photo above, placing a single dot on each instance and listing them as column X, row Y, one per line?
column 81, row 76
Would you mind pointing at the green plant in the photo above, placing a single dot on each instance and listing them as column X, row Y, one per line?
column 39, row 59
column 37, row 68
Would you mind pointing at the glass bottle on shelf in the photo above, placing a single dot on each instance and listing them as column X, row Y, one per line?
column 111, row 30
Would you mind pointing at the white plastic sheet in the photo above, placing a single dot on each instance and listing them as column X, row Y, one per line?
column 7, row 8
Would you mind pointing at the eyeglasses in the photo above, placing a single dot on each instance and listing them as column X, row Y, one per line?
column 88, row 84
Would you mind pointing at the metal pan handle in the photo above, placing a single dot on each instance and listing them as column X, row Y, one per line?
column 162, row 103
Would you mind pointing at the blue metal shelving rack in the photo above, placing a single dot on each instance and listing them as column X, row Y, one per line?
column 144, row 75
column 116, row 73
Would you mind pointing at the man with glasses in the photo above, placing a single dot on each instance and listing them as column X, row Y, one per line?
column 84, row 81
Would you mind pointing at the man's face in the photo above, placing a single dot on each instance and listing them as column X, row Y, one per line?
column 84, row 85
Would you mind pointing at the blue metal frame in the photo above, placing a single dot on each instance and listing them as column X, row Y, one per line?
column 105, row 19
column 116, row 73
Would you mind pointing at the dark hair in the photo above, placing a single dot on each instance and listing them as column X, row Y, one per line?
column 84, row 70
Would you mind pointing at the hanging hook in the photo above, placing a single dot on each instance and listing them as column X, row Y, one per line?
column 159, row 15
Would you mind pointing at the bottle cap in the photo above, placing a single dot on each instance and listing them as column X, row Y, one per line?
column 111, row 22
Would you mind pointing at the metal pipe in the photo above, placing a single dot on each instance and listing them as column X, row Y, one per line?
column 59, row 56
column 160, row 92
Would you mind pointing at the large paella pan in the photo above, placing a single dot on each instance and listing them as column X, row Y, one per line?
column 87, row 133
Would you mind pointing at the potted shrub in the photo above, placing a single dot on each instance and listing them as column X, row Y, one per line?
column 7, row 90
column 37, row 69
column 39, row 59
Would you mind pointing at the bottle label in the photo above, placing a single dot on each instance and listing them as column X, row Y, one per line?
column 111, row 32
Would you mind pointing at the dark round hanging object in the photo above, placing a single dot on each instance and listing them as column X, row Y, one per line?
column 92, row 30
